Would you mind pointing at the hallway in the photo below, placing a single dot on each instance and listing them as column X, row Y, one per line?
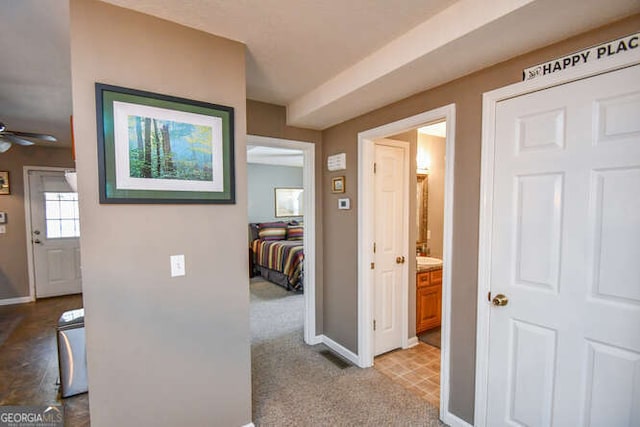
column 297, row 385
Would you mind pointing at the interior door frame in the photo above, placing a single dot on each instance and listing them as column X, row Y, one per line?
column 27, row 219
column 309, row 242
column 490, row 101
column 366, row 234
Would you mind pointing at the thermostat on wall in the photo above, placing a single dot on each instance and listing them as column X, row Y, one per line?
column 3, row 217
column 337, row 162
column 344, row 203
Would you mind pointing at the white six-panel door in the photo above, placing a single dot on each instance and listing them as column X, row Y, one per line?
column 565, row 350
column 55, row 234
column 389, row 229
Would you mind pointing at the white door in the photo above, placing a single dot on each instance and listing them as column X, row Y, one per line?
column 565, row 350
column 389, row 257
column 55, row 231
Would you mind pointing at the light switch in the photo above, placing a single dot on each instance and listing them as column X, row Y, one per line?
column 177, row 265
column 428, row 234
column 3, row 229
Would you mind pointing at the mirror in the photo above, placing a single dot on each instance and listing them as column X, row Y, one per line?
column 422, row 206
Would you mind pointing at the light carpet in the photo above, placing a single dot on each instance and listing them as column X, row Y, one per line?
column 294, row 385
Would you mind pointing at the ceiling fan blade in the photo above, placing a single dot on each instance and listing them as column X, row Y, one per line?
column 14, row 139
column 42, row 136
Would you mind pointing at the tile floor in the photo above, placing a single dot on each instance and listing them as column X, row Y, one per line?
column 417, row 369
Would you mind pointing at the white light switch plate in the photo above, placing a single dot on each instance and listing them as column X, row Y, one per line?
column 3, row 229
column 177, row 266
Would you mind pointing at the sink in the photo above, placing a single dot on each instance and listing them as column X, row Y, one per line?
column 427, row 261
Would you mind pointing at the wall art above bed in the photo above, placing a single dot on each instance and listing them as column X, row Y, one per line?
column 289, row 202
column 155, row 148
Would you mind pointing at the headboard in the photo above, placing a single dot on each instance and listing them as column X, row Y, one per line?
column 253, row 231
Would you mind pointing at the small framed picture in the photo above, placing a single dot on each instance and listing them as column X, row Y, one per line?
column 4, row 183
column 337, row 184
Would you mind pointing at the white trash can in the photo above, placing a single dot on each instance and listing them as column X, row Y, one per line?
column 72, row 355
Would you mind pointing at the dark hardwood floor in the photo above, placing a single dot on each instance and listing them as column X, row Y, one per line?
column 29, row 357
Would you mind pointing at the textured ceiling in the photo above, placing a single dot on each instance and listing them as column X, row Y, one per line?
column 295, row 45
column 35, row 69
column 326, row 60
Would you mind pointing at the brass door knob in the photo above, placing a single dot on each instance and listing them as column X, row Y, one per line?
column 500, row 300
column 400, row 260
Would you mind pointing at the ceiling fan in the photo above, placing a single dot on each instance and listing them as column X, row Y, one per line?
column 9, row 137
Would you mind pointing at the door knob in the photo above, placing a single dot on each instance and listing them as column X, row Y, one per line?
column 400, row 260
column 36, row 232
column 37, row 241
column 500, row 300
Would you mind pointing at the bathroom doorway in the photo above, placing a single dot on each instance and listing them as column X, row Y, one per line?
column 421, row 367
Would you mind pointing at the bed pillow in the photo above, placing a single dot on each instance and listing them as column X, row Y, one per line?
column 295, row 232
column 272, row 231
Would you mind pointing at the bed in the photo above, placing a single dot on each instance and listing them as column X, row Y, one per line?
column 277, row 253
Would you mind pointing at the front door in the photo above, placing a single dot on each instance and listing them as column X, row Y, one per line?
column 55, row 228
column 565, row 349
column 389, row 257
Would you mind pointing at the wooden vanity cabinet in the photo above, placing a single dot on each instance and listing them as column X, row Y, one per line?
column 428, row 300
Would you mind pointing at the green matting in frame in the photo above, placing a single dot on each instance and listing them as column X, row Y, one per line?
column 155, row 148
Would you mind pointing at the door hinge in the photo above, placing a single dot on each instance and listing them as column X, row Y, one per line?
column 375, row 167
column 374, row 247
column 374, row 325
column 373, row 265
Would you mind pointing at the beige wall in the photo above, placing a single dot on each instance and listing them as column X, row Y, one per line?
column 340, row 251
column 161, row 351
column 270, row 120
column 14, row 277
column 435, row 146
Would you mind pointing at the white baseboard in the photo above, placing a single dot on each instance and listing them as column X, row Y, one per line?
column 413, row 341
column 454, row 421
column 249, row 425
column 316, row 340
column 340, row 349
column 20, row 300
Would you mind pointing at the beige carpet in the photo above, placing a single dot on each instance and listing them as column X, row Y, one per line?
column 294, row 385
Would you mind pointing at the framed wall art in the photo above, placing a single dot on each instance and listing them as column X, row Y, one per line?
column 289, row 202
column 4, row 183
column 337, row 184
column 155, row 148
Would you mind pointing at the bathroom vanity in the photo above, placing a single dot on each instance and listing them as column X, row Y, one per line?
column 428, row 297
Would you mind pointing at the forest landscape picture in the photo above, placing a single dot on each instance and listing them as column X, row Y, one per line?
column 157, row 148
column 164, row 149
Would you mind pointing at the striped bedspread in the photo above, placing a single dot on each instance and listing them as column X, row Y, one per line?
column 285, row 256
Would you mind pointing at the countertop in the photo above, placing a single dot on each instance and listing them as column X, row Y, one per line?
column 427, row 268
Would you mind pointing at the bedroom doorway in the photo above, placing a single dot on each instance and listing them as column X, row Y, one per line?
column 431, row 276
column 281, row 204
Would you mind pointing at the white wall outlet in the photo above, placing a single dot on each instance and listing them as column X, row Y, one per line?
column 177, row 266
column 428, row 234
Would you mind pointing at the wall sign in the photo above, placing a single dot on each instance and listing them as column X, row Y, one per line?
column 621, row 46
column 337, row 162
